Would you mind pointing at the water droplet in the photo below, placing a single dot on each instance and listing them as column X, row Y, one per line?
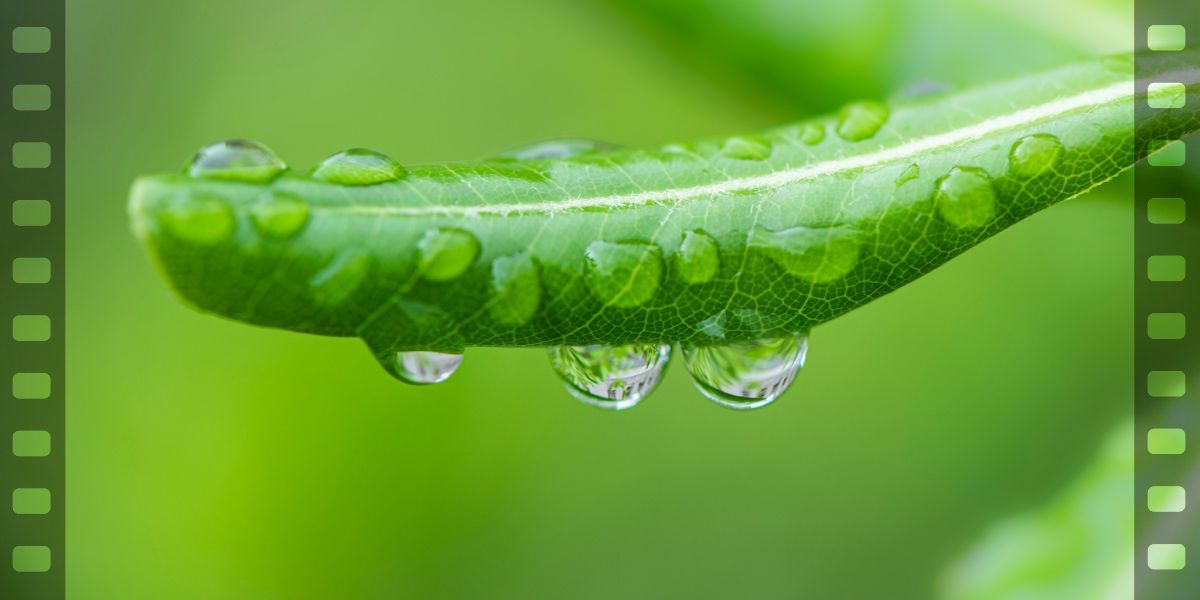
column 966, row 198
column 516, row 290
column 615, row 377
column 425, row 368
column 556, row 149
column 358, row 166
column 820, row 255
column 746, row 148
column 199, row 219
column 446, row 253
column 861, row 120
column 625, row 274
column 745, row 375
column 812, row 134
column 340, row 278
column 698, row 258
column 279, row 216
column 909, row 173
column 236, row 160
column 1034, row 155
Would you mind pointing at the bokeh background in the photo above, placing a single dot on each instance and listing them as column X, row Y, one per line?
column 208, row 459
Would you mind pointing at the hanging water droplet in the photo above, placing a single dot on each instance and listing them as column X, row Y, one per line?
column 556, row 149
column 909, row 173
column 624, row 274
column 746, row 148
column 1034, row 155
column 615, row 377
column 516, row 290
column 966, row 198
column 446, row 253
column 812, row 134
column 861, row 120
column 199, row 219
column 745, row 375
column 425, row 368
column 699, row 258
column 358, row 166
column 236, row 160
column 279, row 216
column 818, row 254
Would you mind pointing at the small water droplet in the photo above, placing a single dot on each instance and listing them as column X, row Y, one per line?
column 556, row 149
column 199, row 219
column 624, row 274
column 909, row 173
column 746, row 148
column 699, row 258
column 966, row 198
column 516, row 290
column 812, row 134
column 279, row 216
column 358, row 166
column 446, row 253
column 818, row 254
column 236, row 160
column 340, row 278
column 1034, row 155
column 615, row 377
column 745, row 375
column 861, row 120
column 425, row 368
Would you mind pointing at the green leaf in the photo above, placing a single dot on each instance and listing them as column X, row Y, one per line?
column 788, row 228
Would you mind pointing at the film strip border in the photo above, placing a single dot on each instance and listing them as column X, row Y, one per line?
column 1167, row 342
column 32, row 299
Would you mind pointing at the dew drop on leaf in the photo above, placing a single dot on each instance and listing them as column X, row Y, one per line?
column 861, row 120
column 613, row 377
column 358, row 166
column 965, row 198
column 818, row 254
column 625, row 274
column 909, row 173
column 1034, row 155
column 446, row 253
column 698, row 258
column 199, row 219
column 340, row 278
column 748, row 374
column 557, row 149
column 746, row 148
column 236, row 160
column 279, row 216
column 425, row 368
column 516, row 290
column 812, row 134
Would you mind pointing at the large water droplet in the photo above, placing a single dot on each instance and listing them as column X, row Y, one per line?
column 625, row 274
column 1034, row 155
column 279, row 216
column 820, row 255
column 236, row 160
column 966, row 198
column 615, row 377
column 358, row 166
column 699, row 258
column 746, row 375
column 556, row 149
column 516, row 290
column 340, row 278
column 446, row 253
column 199, row 219
column 746, row 148
column 424, row 368
column 861, row 120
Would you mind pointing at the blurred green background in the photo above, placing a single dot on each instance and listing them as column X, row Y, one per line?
column 209, row 459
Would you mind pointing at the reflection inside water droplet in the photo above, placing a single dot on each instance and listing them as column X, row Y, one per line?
column 1034, row 155
column 614, row 377
column 424, row 368
column 745, row 375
